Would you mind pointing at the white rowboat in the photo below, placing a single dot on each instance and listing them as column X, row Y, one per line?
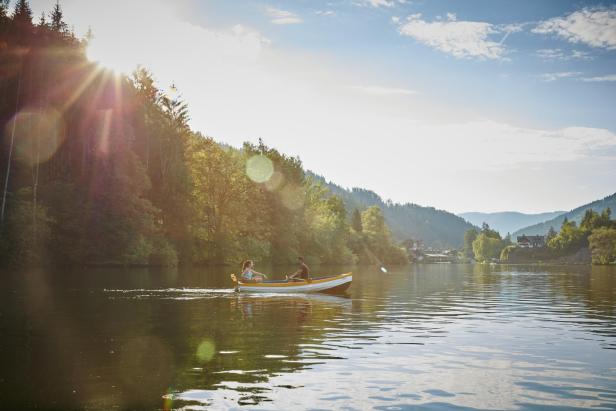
column 331, row 284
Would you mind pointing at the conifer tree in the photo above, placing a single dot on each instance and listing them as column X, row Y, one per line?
column 23, row 12
column 57, row 22
column 4, row 7
column 42, row 21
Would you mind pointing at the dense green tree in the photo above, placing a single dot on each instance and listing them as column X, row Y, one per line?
column 21, row 243
column 489, row 232
column 593, row 220
column 220, row 198
column 602, row 243
column 106, row 170
column 570, row 238
column 377, row 238
column 551, row 234
column 469, row 237
column 356, row 221
column 486, row 247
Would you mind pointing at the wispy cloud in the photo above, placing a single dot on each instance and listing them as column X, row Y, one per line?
column 610, row 77
column 595, row 27
column 279, row 16
column 384, row 91
column 327, row 13
column 379, row 3
column 564, row 55
column 560, row 75
column 576, row 75
column 462, row 39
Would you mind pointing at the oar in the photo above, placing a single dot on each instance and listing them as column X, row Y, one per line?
column 380, row 263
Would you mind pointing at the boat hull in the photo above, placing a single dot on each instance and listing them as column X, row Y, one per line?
column 334, row 284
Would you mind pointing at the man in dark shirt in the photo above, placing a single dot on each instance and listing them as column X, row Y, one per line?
column 303, row 272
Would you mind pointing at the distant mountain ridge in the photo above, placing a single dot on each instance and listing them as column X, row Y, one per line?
column 574, row 215
column 508, row 221
column 436, row 228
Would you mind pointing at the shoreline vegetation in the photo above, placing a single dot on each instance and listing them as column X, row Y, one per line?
column 593, row 241
column 103, row 169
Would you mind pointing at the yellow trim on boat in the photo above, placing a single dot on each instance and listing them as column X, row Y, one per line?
column 292, row 283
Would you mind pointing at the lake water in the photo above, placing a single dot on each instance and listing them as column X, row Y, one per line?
column 421, row 337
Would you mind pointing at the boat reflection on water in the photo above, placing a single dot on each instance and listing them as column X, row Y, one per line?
column 303, row 304
column 292, row 324
column 425, row 336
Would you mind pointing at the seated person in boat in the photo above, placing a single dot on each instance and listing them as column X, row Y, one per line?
column 249, row 274
column 302, row 273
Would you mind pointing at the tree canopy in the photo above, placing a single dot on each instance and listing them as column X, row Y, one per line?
column 102, row 168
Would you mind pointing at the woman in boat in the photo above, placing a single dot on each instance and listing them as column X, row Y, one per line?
column 249, row 274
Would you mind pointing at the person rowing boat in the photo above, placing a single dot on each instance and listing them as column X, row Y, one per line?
column 303, row 273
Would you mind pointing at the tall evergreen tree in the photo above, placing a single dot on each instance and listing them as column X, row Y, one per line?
column 22, row 13
column 57, row 19
column 42, row 21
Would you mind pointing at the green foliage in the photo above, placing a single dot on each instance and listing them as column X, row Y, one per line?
column 602, row 243
column 374, row 244
column 504, row 255
column 435, row 228
column 551, row 234
column 572, row 238
column 593, row 220
column 485, row 229
column 569, row 238
column 25, row 235
column 574, row 215
column 221, row 199
column 163, row 253
column 487, row 246
column 130, row 183
column 469, row 237
column 356, row 221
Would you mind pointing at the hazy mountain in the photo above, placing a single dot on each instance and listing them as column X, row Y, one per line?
column 508, row 221
column 573, row 215
column 436, row 228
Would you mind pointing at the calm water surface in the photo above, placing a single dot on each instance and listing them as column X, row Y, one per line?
column 422, row 337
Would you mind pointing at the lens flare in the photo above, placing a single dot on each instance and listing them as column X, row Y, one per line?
column 275, row 182
column 38, row 135
column 259, row 168
column 292, row 197
column 206, row 351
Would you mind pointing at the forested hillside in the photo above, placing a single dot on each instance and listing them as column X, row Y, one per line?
column 508, row 221
column 436, row 228
column 575, row 215
column 101, row 168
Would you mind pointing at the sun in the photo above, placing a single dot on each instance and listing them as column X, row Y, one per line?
column 111, row 55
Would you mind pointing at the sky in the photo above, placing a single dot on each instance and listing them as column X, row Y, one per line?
column 475, row 105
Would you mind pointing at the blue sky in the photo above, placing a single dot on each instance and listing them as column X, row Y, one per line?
column 461, row 105
column 513, row 86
